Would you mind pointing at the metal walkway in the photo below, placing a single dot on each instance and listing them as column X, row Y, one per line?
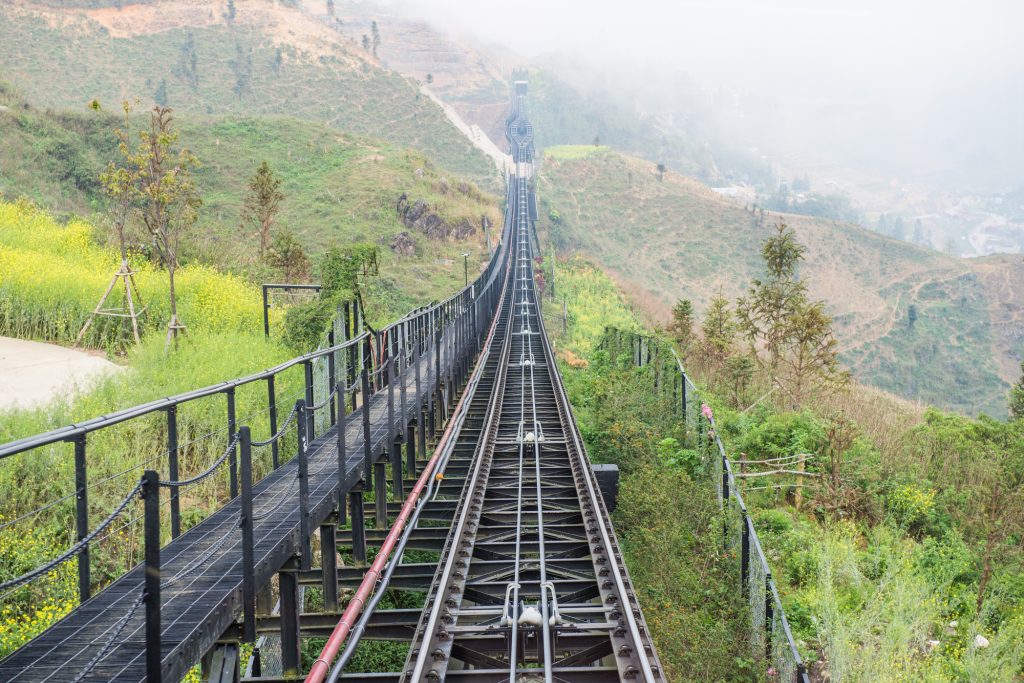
column 202, row 569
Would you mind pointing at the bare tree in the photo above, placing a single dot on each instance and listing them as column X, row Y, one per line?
column 163, row 180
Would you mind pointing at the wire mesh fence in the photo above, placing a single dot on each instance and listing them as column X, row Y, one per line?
column 770, row 638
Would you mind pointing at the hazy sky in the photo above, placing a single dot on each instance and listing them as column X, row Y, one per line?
column 914, row 73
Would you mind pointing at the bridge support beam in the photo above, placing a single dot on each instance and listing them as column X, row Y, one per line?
column 355, row 504
column 380, row 493
column 291, row 651
column 329, row 564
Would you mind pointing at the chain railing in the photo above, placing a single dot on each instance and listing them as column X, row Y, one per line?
column 770, row 638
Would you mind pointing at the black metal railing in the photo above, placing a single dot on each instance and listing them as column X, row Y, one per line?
column 770, row 636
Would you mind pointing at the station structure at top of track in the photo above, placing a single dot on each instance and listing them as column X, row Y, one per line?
column 501, row 525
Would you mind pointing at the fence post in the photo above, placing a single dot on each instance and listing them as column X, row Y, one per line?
column 233, row 460
column 304, row 532
column 272, row 409
column 82, row 517
column 248, row 549
column 172, row 468
column 769, row 614
column 151, row 587
column 745, row 555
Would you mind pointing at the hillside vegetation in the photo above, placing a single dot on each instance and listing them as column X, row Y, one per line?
column 338, row 189
column 672, row 238
column 902, row 563
column 269, row 59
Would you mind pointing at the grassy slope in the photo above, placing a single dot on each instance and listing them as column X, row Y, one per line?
column 338, row 188
column 675, row 238
column 65, row 58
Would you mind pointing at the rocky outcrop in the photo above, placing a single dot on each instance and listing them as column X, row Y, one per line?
column 403, row 244
column 418, row 216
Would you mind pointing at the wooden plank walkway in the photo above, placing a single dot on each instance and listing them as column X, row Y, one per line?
column 202, row 573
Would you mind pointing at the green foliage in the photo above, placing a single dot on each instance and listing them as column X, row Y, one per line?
column 1017, row 397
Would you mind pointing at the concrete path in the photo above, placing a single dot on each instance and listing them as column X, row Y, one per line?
column 31, row 373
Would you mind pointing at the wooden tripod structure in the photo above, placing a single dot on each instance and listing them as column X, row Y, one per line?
column 127, row 276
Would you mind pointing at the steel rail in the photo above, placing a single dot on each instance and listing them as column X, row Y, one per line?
column 321, row 666
column 572, row 431
column 490, row 424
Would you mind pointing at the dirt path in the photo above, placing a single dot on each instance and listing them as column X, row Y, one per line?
column 32, row 373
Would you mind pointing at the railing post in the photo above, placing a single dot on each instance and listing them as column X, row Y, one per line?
column 394, row 436
column 272, row 410
column 329, row 566
column 358, row 514
column 248, row 544
column 303, row 457
column 151, row 587
column 291, row 646
column 342, row 453
column 435, row 391
column 307, row 368
column 233, row 459
column 332, row 372
column 172, row 468
column 82, row 517
column 367, row 447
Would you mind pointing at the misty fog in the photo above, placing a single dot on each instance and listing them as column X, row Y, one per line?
column 928, row 91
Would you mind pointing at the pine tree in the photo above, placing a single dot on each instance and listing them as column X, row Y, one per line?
column 1017, row 397
column 719, row 328
column 765, row 314
column 366, row 43
column 262, row 204
column 232, row 11
column 375, row 32
column 681, row 327
column 160, row 96
column 330, row 8
column 288, row 257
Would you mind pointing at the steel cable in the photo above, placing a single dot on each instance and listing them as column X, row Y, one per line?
column 76, row 548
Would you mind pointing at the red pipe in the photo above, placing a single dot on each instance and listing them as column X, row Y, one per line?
column 322, row 666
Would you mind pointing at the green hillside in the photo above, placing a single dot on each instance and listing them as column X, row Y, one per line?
column 339, row 189
column 271, row 59
column 675, row 238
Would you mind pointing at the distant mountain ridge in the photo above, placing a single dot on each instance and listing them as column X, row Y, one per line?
column 671, row 239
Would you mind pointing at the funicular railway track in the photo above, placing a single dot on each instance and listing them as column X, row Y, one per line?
column 530, row 584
